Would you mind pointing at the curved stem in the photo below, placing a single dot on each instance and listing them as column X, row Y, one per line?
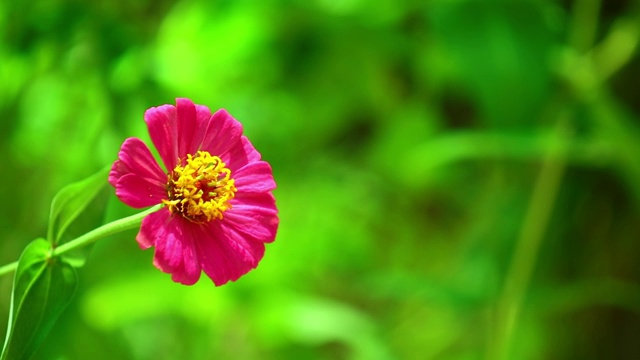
column 92, row 236
column 111, row 228
column 7, row 268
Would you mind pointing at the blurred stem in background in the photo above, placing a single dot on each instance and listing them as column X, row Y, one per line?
column 517, row 280
column 584, row 25
column 510, row 302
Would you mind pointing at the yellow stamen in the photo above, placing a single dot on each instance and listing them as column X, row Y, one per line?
column 200, row 190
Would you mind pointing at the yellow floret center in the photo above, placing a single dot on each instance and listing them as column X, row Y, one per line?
column 200, row 188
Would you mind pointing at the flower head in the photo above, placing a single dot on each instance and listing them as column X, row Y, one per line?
column 219, row 210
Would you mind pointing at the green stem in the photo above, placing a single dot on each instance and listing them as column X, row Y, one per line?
column 5, row 269
column 111, row 228
column 584, row 24
column 518, row 276
column 92, row 236
column 511, row 299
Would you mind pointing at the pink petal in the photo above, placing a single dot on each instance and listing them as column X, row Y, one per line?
column 203, row 117
column 258, row 201
column 255, row 216
column 255, row 177
column 240, row 155
column 186, row 124
column 225, row 254
column 135, row 156
column 163, row 129
column 139, row 192
column 223, row 133
column 150, row 224
column 175, row 252
column 118, row 170
column 193, row 122
column 138, row 179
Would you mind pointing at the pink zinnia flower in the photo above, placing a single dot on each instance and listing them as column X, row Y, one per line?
column 219, row 210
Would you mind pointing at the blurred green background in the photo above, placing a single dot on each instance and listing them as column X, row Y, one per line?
column 456, row 179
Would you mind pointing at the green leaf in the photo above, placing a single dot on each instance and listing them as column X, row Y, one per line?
column 42, row 288
column 71, row 201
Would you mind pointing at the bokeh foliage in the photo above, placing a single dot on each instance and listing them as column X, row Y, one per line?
column 441, row 165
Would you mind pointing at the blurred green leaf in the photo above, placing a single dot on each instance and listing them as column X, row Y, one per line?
column 71, row 201
column 282, row 317
column 42, row 288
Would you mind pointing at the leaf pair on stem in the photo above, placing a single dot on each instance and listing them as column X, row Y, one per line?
column 45, row 275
